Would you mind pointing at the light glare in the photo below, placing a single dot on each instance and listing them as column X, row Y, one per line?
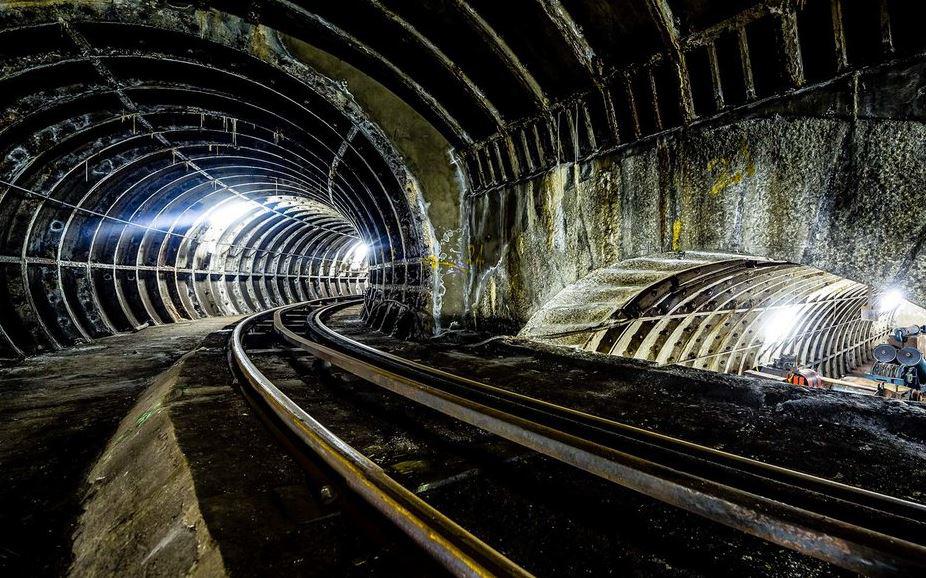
column 359, row 254
column 780, row 324
column 228, row 213
column 890, row 300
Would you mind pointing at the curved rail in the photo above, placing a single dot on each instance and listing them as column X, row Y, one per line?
column 459, row 551
column 857, row 529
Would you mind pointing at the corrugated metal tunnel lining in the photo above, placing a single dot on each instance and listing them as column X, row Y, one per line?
column 719, row 312
column 150, row 176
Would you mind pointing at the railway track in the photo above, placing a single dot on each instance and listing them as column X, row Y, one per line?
column 458, row 550
column 853, row 528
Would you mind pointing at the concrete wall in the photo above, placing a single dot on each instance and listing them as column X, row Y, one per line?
column 831, row 177
column 427, row 155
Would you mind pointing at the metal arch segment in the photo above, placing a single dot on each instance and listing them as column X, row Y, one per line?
column 574, row 38
column 352, row 43
column 455, row 71
column 512, row 61
column 785, row 295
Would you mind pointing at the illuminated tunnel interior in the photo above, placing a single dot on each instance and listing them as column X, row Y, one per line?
column 725, row 313
column 152, row 176
column 174, row 162
column 544, row 266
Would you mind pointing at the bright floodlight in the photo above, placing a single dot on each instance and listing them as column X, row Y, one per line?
column 228, row 213
column 358, row 253
column 891, row 300
column 780, row 323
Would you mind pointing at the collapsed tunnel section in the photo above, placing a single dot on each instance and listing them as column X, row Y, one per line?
column 151, row 175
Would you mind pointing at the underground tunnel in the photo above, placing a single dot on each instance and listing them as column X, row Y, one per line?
column 458, row 287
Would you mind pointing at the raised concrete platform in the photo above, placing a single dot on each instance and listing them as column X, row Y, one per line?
column 57, row 413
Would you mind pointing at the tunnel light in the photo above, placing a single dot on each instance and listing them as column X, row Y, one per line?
column 358, row 254
column 890, row 300
column 780, row 324
column 228, row 213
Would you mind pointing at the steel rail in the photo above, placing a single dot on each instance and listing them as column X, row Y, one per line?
column 847, row 526
column 462, row 553
column 820, row 485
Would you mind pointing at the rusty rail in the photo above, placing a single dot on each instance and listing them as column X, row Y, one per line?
column 853, row 528
column 459, row 551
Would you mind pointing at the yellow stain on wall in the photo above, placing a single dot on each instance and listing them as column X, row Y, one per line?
column 433, row 262
column 729, row 177
column 259, row 45
column 725, row 181
column 677, row 235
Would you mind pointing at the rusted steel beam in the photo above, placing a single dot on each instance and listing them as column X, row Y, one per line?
column 716, row 82
column 662, row 16
column 746, row 63
column 511, row 60
column 630, row 96
column 574, row 38
column 791, row 45
column 887, row 33
column 839, row 35
column 654, row 93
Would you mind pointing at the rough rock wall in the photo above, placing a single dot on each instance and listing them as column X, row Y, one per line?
column 831, row 178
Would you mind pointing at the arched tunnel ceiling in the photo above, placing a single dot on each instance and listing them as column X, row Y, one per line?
column 475, row 67
column 149, row 175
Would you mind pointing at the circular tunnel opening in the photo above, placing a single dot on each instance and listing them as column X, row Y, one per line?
column 161, row 172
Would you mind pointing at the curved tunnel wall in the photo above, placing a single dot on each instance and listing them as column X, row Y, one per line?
column 818, row 163
column 150, row 175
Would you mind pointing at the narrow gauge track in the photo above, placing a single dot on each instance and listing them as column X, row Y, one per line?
column 459, row 551
column 853, row 528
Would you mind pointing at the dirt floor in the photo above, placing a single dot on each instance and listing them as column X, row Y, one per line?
column 875, row 443
column 57, row 413
column 265, row 513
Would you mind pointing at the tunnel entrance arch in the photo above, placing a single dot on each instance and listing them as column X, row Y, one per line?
column 720, row 312
column 157, row 169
